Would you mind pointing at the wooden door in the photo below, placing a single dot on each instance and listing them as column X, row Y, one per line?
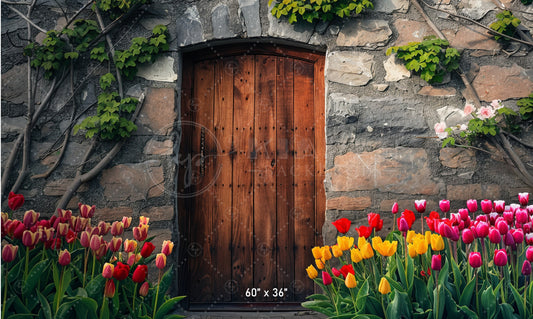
column 250, row 193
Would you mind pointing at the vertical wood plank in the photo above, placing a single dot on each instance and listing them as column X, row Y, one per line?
column 265, row 176
column 242, row 228
column 284, row 175
column 304, row 177
column 320, row 149
column 200, row 247
column 222, row 194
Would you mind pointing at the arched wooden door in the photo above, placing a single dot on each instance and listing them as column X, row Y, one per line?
column 251, row 197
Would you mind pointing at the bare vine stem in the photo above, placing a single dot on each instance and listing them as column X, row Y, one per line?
column 519, row 140
column 27, row 17
column 78, row 13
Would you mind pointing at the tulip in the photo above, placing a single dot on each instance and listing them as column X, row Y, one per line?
column 471, row 204
column 17, row 228
column 410, row 236
column 513, row 207
column 144, row 220
column 508, row 239
column 521, row 216
column 168, row 246
column 47, row 234
column 139, row 275
column 317, row 252
column 364, row 231
column 499, row 206
column 345, row 243
column 326, row 253
column 367, row 251
column 500, row 257
column 526, row 268
column 319, row 263
column 437, row 243
column 126, row 221
column 86, row 211
column 518, row 235
column 420, row 244
column 85, row 239
column 337, row 251
column 161, row 261
column 529, row 253
column 523, row 198
column 508, row 216
column 335, row 272
column 375, row 221
column 147, row 249
column 121, row 271
column 342, row 225
column 114, row 244
column 9, row 252
column 15, row 201
column 467, row 236
column 347, row 269
column 356, row 255
column 29, row 238
column 326, row 278
column 62, row 229
column 444, row 205
column 108, row 270
column 311, row 272
column 117, row 228
column 95, row 242
column 350, row 281
column 143, row 291
column 104, row 227
column 482, row 229
column 394, row 209
column 527, row 227
column 436, row 262
column 64, row 257
column 529, row 238
column 100, row 252
column 530, row 209
column 384, row 286
column 130, row 245
column 411, row 250
column 486, row 206
column 387, row 248
column 420, row 205
column 502, row 226
column 482, row 218
column 494, row 235
column 463, row 212
column 140, row 233
column 109, row 289
column 402, row 225
column 30, row 218
column 474, row 259
column 64, row 214
column 133, row 258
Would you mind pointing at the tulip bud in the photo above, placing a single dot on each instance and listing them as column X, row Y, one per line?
column 394, row 209
column 311, row 272
column 29, row 238
column 474, row 259
column 130, row 245
column 513, row 207
column 356, row 255
column 133, row 258
column 437, row 243
column 104, row 227
column 95, row 242
column 326, row 278
column 168, row 246
column 109, row 290
column 523, row 198
column 521, row 216
column 482, row 229
column 518, row 235
column 350, row 281
column 436, row 262
column 486, row 206
column 494, row 235
column 471, row 204
column 444, row 206
column 64, row 214
column 529, row 239
column 384, row 286
column 62, row 229
column 140, row 233
column 468, row 236
column 143, row 220
column 508, row 216
column 64, row 257
column 9, row 252
column 143, row 291
column 529, row 253
column 126, row 221
column 337, row 251
column 107, row 271
column 100, row 252
column 147, row 249
column 335, row 272
column 317, row 251
column 319, row 264
column 115, row 243
column 161, row 261
column 420, row 205
column 15, row 201
column 326, row 253
column 403, row 226
column 85, row 238
column 86, row 211
column 117, row 228
column 30, row 218
column 526, row 268
column 499, row 206
column 139, row 275
column 500, row 257
column 463, row 213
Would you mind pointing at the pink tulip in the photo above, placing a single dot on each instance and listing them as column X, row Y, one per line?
column 502, row 226
column 64, row 214
column 468, row 236
column 526, row 268
column 30, row 218
column 167, row 247
column 474, row 259
column 86, row 211
column 161, row 261
column 530, row 209
column 126, row 221
column 482, row 229
column 335, row 272
column 107, row 271
column 436, row 262
column 494, row 236
column 521, row 216
column 85, row 239
column 508, row 216
column 493, row 217
column 471, row 204
column 529, row 239
column 403, row 226
column 508, row 239
column 500, row 257
column 62, row 229
column 527, row 228
column 486, row 206
column 102, row 251
column 499, row 206
column 523, row 198
column 95, row 242
column 463, row 212
column 326, row 278
column 104, row 227
column 394, row 209
column 114, row 244
column 9, row 252
column 143, row 291
column 117, row 228
column 444, row 206
column 482, row 218
column 420, row 205
column 64, row 257
column 529, row 253
column 518, row 235
column 513, row 207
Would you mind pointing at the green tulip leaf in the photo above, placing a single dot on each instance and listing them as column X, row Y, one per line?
column 365, row 316
column 438, row 301
column 410, row 273
column 421, row 293
column 458, row 279
column 507, row 312
column 374, row 306
column 173, row 317
column 401, row 271
column 317, row 297
column 95, row 287
column 519, row 302
column 394, row 284
column 400, row 306
column 22, row 316
column 451, row 306
column 14, row 273
column 489, row 303
column 466, row 296
column 444, row 272
column 320, row 306
column 45, row 306
column 344, row 316
column 470, row 314
column 360, row 300
column 167, row 306
column 20, row 307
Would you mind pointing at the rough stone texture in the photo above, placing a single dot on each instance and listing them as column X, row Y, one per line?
column 300, row 32
column 390, row 6
column 411, row 31
column 220, row 20
column 458, row 158
column 395, row 70
column 452, row 116
column 162, row 213
column 396, row 170
column 111, row 214
column 501, row 83
column 249, row 10
column 386, row 206
column 471, row 37
column 381, row 87
column 59, row 187
column 151, row 23
column 15, row 84
column 348, row 203
column 154, row 147
column 133, row 182
column 367, row 33
column 158, row 114
column 437, row 91
column 473, row 191
column 12, row 124
column 189, row 27
column 350, row 68
column 476, row 9
column 161, row 70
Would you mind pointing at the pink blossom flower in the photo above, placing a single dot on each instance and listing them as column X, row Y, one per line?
column 474, row 259
column 420, row 205
column 444, row 205
column 496, row 104
column 523, row 198
column 440, row 130
column 486, row 112
column 500, row 257
column 494, row 235
column 486, row 206
column 471, row 204
column 499, row 206
column 469, row 108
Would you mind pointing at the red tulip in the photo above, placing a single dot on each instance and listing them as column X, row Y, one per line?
column 409, row 217
column 117, row 228
column 500, row 257
column 526, row 268
column 115, row 243
column 17, row 228
column 121, row 271
column 463, row 212
column 523, row 198
column 86, row 211
column 126, row 221
column 64, row 214
column 9, row 252
column 95, row 242
column 471, row 204
column 494, row 235
column 482, row 229
column 518, row 235
column 375, row 221
column 436, row 262
column 499, row 206
column 529, row 253
column 420, row 205
column 145, row 287
column 147, row 249
column 486, row 206
column 347, row 269
column 444, row 206
column 108, row 270
column 30, row 218
column 336, row 272
column 30, row 239
column 342, row 225
column 474, row 259
column 508, row 239
column 70, row 237
column 64, row 257
column 139, row 275
column 85, row 239
column 364, row 231
column 140, row 233
column 167, row 247
column 160, row 260
column 502, row 226
column 468, row 236
column 15, row 201
column 109, row 289
column 394, row 209
column 326, row 278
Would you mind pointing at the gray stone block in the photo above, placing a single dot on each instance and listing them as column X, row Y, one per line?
column 189, row 27
column 220, row 20
column 249, row 10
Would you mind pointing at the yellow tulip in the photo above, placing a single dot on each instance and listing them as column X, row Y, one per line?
column 326, row 253
column 384, row 286
column 376, row 241
column 311, row 272
column 361, row 241
column 337, row 251
column 412, row 250
column 319, row 264
column 428, row 237
column 386, row 248
column 350, row 281
column 410, row 235
column 317, row 252
column 420, row 244
column 437, row 244
column 345, row 243
column 367, row 251
column 356, row 255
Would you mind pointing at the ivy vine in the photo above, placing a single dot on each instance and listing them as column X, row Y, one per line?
column 506, row 24
column 311, row 10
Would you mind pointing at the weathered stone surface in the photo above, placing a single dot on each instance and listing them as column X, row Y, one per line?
column 501, row 83
column 349, row 203
column 157, row 115
column 133, row 182
column 464, row 192
column 161, row 213
column 472, row 38
column 342, row 109
column 411, row 31
column 435, row 91
column 135, row 91
column 452, row 116
column 386, row 205
column 350, row 68
column 73, row 156
column 364, row 33
column 161, row 70
column 249, row 10
column 396, row 170
column 59, row 187
column 13, row 124
column 190, row 28
column 15, row 84
column 381, row 87
column 111, row 214
column 475, row 9
column 220, row 20
column 154, row 147
column 151, row 23
column 395, row 70
column 457, row 158
column 300, row 32
column 390, row 6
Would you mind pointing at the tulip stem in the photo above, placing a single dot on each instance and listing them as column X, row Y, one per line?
column 383, row 307
column 157, row 294
column 5, row 294
column 103, row 305
column 134, row 296
column 86, row 255
column 94, row 262
column 26, row 263
column 354, row 303
column 477, row 292
column 59, row 290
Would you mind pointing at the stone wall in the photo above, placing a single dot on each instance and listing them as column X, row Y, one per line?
column 379, row 124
